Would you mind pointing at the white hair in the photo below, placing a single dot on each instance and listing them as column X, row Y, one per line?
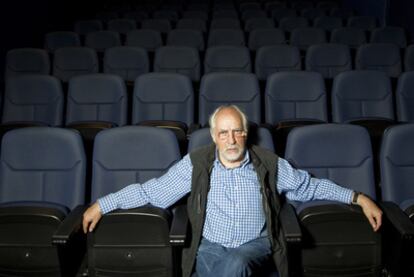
column 212, row 119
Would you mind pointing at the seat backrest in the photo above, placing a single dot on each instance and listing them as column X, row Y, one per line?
column 288, row 24
column 128, row 62
column 138, row 16
column 271, row 59
column 171, row 15
column 56, row 40
column 339, row 152
column 33, row 98
column 97, row 97
column 328, row 59
column 353, row 37
column 250, row 14
column 74, row 61
column 281, row 12
column 122, row 26
column 295, row 96
column 83, row 27
column 221, row 88
column 379, row 56
column 227, row 59
column 257, row 135
column 101, row 40
column 163, row 96
column 405, row 97
column 22, row 61
column 194, row 14
column 43, row 164
column 178, row 59
column 328, row 23
column 361, row 94
column 365, row 23
column 145, row 38
column 131, row 154
column 312, row 13
column 306, row 36
column 389, row 35
column 161, row 25
column 189, row 38
column 225, row 37
column 397, row 160
column 228, row 13
column 265, row 37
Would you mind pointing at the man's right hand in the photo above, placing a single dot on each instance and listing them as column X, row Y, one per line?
column 91, row 217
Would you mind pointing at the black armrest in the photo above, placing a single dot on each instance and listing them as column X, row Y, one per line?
column 290, row 224
column 398, row 219
column 179, row 225
column 70, row 225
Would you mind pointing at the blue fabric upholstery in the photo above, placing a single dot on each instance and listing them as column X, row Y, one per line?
column 101, row 40
column 22, row 61
column 405, row 97
column 56, row 40
column 74, row 61
column 227, row 59
column 148, row 39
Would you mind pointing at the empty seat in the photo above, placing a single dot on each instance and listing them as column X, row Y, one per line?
column 171, row 15
column 145, row 38
column 341, row 153
column 164, row 100
column 405, row 97
column 128, row 62
column 106, row 16
column 42, row 179
column 96, row 98
column 178, row 59
column 301, row 4
column 135, row 241
column 366, row 23
column 327, row 5
column 250, row 14
column 328, row 59
column 161, row 25
column 328, row 23
column 379, row 56
column 241, row 89
column 342, row 12
column 56, row 40
column 265, row 37
column 189, row 38
column 138, row 16
column 102, row 40
column 353, row 37
column 227, row 58
column 295, row 96
column 225, row 14
column 249, row 6
column 258, row 23
column 389, row 35
column 22, row 61
column 304, row 37
column 271, row 59
column 225, row 23
column 362, row 94
column 122, row 26
column 192, row 24
column 73, row 61
column 83, row 27
column 33, row 99
column 271, row 5
column 194, row 14
column 288, row 24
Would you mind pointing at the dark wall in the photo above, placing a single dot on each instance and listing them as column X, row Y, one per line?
column 401, row 13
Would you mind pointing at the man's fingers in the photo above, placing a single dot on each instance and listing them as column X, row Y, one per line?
column 92, row 225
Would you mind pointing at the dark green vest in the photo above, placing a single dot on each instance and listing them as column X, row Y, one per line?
column 265, row 164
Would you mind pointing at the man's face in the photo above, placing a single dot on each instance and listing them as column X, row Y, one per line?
column 229, row 136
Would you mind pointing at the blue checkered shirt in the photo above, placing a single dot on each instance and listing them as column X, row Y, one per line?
column 234, row 205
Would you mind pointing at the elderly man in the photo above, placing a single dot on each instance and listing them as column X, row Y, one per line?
column 234, row 228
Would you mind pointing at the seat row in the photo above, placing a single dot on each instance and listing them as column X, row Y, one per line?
column 43, row 186
column 130, row 62
column 170, row 96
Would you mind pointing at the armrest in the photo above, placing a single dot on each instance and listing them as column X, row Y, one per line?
column 70, row 225
column 398, row 219
column 192, row 128
column 179, row 226
column 290, row 224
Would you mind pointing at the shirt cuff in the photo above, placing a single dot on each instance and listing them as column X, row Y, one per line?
column 107, row 203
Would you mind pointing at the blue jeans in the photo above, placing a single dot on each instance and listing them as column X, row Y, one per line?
column 250, row 258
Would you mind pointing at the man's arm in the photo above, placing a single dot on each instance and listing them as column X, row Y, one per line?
column 298, row 185
column 161, row 192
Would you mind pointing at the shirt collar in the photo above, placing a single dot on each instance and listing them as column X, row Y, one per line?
column 243, row 164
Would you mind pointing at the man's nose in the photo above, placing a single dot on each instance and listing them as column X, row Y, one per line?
column 231, row 138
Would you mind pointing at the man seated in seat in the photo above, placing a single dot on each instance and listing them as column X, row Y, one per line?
column 234, row 199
